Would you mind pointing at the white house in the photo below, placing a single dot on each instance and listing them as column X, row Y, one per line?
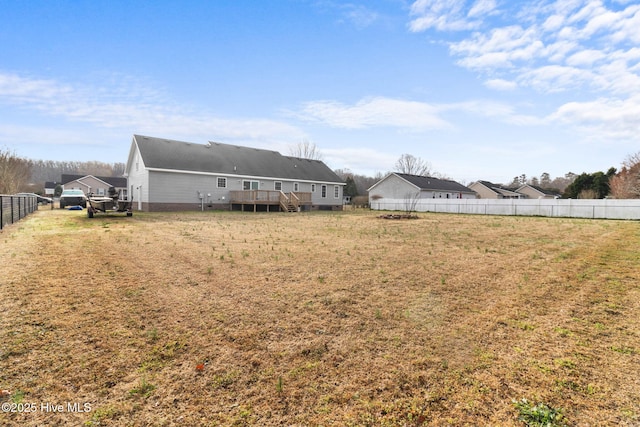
column 167, row 175
column 95, row 184
column 401, row 186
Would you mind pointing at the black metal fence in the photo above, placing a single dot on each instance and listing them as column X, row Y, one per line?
column 14, row 208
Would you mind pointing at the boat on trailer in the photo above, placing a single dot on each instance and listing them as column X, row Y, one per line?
column 110, row 203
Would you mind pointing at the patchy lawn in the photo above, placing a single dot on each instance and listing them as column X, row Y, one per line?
column 317, row 319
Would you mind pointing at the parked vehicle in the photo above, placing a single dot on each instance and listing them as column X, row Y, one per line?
column 41, row 199
column 73, row 197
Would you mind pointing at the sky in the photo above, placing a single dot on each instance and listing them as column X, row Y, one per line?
column 479, row 89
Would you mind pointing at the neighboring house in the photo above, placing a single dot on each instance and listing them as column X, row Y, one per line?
column 50, row 188
column 535, row 192
column 168, row 175
column 98, row 185
column 489, row 190
column 405, row 186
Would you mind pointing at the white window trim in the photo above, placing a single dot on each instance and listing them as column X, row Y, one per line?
column 251, row 181
column 275, row 185
column 218, row 182
column 336, row 191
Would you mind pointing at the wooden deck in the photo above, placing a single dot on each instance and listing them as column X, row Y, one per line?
column 288, row 202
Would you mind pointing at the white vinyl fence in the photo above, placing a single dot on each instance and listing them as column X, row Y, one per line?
column 570, row 208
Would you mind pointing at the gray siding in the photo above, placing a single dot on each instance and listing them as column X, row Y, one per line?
column 393, row 188
column 170, row 187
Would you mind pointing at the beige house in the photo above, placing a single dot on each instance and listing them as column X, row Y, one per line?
column 535, row 192
column 98, row 185
column 489, row 190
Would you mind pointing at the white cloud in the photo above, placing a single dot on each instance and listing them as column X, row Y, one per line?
column 585, row 57
column 374, row 112
column 551, row 47
column 498, row 49
column 132, row 106
column 603, row 118
column 499, row 111
column 359, row 15
column 443, row 15
column 500, row 84
column 482, row 7
column 555, row 78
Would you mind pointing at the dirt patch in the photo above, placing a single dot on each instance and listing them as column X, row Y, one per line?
column 317, row 319
column 398, row 216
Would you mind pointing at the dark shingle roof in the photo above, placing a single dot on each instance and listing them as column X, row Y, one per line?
column 546, row 191
column 501, row 189
column 229, row 159
column 115, row 181
column 430, row 183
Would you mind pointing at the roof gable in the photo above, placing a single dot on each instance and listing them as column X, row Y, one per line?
column 114, row 181
column 227, row 159
column 500, row 189
column 542, row 191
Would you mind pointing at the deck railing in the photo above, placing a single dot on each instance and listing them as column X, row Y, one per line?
column 271, row 197
column 255, row 196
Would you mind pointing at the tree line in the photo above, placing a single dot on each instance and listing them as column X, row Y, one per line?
column 24, row 175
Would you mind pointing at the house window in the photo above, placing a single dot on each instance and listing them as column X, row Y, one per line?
column 222, row 182
column 313, row 188
column 250, row 185
column 336, row 191
column 296, row 186
column 323, row 191
column 101, row 192
column 277, row 186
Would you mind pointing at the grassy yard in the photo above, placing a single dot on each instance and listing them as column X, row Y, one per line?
column 332, row 319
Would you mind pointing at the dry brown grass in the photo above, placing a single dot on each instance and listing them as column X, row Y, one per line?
column 318, row 319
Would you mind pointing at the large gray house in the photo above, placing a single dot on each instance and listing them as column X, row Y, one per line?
column 168, row 175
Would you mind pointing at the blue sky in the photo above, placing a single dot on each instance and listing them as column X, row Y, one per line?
column 481, row 89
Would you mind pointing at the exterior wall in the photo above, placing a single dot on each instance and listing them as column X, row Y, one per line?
column 138, row 180
column 484, row 192
column 593, row 208
column 431, row 194
column 192, row 191
column 88, row 185
column 532, row 193
column 393, row 187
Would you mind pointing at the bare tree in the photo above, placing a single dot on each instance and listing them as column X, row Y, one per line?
column 305, row 150
column 14, row 172
column 412, row 165
column 626, row 184
column 410, row 202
